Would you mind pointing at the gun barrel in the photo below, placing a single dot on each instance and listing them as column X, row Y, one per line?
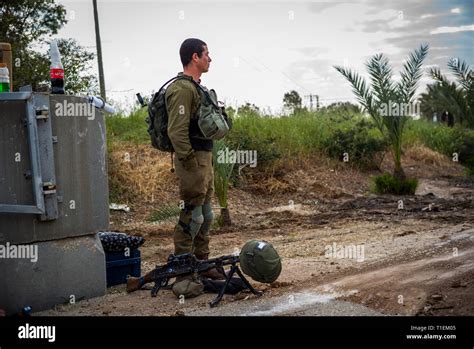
column 228, row 259
column 178, row 265
column 140, row 100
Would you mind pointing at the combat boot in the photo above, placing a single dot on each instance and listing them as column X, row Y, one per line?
column 213, row 274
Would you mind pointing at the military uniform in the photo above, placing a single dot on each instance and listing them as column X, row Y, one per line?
column 193, row 156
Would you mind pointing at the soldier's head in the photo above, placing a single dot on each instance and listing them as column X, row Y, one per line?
column 195, row 55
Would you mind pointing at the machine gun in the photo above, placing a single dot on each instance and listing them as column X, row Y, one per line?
column 187, row 264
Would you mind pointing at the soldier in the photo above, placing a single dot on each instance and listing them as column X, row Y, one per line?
column 193, row 154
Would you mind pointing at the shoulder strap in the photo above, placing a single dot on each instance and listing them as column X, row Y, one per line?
column 167, row 82
column 199, row 87
column 164, row 85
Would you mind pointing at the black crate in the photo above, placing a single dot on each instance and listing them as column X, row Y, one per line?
column 119, row 266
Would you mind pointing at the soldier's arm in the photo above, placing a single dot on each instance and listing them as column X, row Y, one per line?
column 179, row 114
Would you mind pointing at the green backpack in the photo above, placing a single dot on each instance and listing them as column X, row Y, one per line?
column 212, row 119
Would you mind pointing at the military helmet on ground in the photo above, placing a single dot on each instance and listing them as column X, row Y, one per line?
column 260, row 261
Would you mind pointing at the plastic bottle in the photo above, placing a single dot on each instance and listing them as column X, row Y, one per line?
column 56, row 71
column 6, row 57
column 99, row 103
column 4, row 78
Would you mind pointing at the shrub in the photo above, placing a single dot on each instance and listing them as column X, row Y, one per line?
column 388, row 184
column 359, row 141
column 445, row 140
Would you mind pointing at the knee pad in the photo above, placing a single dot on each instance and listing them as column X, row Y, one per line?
column 197, row 219
column 208, row 217
column 207, row 212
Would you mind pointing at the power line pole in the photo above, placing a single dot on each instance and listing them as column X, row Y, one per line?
column 316, row 97
column 99, row 51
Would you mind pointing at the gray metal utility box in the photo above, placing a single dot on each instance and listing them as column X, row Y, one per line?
column 53, row 200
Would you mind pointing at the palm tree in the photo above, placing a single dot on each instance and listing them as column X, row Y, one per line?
column 384, row 94
column 458, row 97
column 222, row 175
column 430, row 101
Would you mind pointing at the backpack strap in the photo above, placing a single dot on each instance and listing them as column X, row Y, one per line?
column 199, row 87
column 158, row 93
column 164, row 85
column 167, row 82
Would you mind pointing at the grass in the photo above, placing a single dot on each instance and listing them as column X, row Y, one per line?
column 457, row 143
column 329, row 132
column 127, row 128
column 275, row 137
column 388, row 184
column 167, row 212
column 140, row 173
column 291, row 137
column 441, row 138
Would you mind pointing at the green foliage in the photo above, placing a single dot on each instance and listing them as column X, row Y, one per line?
column 464, row 148
column 267, row 149
column 430, row 101
column 25, row 21
column 28, row 26
column 292, row 101
column 388, row 184
column 443, row 139
column 247, row 109
column 329, row 132
column 438, row 137
column 130, row 128
column 383, row 92
column 346, row 108
column 359, row 141
column 455, row 97
column 218, row 222
column 222, row 173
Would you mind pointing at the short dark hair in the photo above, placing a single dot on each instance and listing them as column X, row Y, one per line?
column 188, row 48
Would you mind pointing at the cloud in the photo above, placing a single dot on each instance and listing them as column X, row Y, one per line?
column 422, row 16
column 319, row 7
column 443, row 30
column 426, row 21
column 262, row 53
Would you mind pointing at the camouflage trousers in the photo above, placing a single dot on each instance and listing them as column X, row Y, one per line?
column 196, row 187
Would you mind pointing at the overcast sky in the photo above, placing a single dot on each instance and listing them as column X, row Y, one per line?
column 262, row 49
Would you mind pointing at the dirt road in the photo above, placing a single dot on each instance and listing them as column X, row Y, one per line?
column 349, row 254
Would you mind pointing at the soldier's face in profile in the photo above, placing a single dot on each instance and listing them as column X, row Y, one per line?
column 204, row 61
